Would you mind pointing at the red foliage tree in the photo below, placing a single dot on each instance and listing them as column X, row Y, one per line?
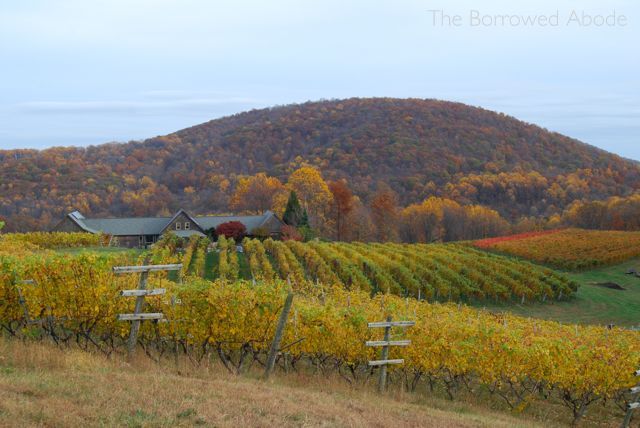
column 232, row 229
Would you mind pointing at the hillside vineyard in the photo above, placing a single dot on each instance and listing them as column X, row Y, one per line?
column 429, row 272
column 452, row 346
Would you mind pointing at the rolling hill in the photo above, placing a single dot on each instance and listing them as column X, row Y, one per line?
column 418, row 147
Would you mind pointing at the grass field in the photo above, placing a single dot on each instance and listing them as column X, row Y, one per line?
column 44, row 386
column 99, row 250
column 592, row 304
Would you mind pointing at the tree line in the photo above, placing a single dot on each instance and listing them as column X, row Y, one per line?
column 314, row 207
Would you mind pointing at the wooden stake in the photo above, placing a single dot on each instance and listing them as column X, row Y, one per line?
column 277, row 338
column 384, row 355
column 23, row 303
column 135, row 324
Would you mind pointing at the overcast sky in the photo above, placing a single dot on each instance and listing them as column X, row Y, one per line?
column 78, row 72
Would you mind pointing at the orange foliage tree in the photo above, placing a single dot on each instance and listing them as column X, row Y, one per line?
column 384, row 213
column 257, row 193
column 341, row 206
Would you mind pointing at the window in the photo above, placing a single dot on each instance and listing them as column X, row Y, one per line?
column 178, row 226
column 187, row 225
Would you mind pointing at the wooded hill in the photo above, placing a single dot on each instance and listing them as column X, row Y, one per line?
column 420, row 148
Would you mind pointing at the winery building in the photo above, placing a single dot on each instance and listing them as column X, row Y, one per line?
column 144, row 231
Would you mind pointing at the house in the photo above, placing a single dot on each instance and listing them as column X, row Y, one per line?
column 144, row 231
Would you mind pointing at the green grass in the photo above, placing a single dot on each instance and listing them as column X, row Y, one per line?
column 99, row 250
column 211, row 266
column 212, row 261
column 592, row 304
column 243, row 265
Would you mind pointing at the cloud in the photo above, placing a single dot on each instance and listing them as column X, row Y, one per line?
column 163, row 103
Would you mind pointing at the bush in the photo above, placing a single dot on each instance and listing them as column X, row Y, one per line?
column 170, row 241
column 211, row 233
column 232, row 229
column 58, row 239
column 308, row 234
column 290, row 233
column 260, row 233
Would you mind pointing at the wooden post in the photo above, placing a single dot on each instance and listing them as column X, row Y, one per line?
column 23, row 304
column 627, row 417
column 635, row 391
column 384, row 361
column 135, row 324
column 384, row 355
column 140, row 293
column 277, row 338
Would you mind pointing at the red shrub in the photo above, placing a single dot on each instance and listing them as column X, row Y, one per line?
column 232, row 229
column 290, row 233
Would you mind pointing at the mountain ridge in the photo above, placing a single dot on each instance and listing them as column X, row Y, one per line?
column 420, row 147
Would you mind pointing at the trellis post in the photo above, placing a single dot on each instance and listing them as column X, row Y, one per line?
column 140, row 293
column 384, row 360
column 631, row 406
column 21, row 299
column 277, row 338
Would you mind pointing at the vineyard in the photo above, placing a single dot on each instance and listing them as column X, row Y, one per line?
column 570, row 249
column 431, row 272
column 75, row 299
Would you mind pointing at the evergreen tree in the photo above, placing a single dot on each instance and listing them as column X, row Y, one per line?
column 293, row 213
column 304, row 221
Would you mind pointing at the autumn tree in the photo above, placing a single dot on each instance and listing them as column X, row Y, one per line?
column 341, row 206
column 314, row 194
column 614, row 213
column 256, row 193
column 359, row 227
column 482, row 222
column 441, row 219
column 421, row 223
column 145, row 196
column 384, row 213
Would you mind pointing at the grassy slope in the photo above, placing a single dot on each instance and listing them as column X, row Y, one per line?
column 592, row 304
column 44, row 386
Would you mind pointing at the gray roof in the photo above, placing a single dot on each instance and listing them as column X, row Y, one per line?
column 155, row 225
column 126, row 226
column 249, row 221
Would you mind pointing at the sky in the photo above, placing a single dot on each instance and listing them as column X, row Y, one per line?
column 77, row 72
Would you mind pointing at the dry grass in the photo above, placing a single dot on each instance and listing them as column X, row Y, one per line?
column 41, row 385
